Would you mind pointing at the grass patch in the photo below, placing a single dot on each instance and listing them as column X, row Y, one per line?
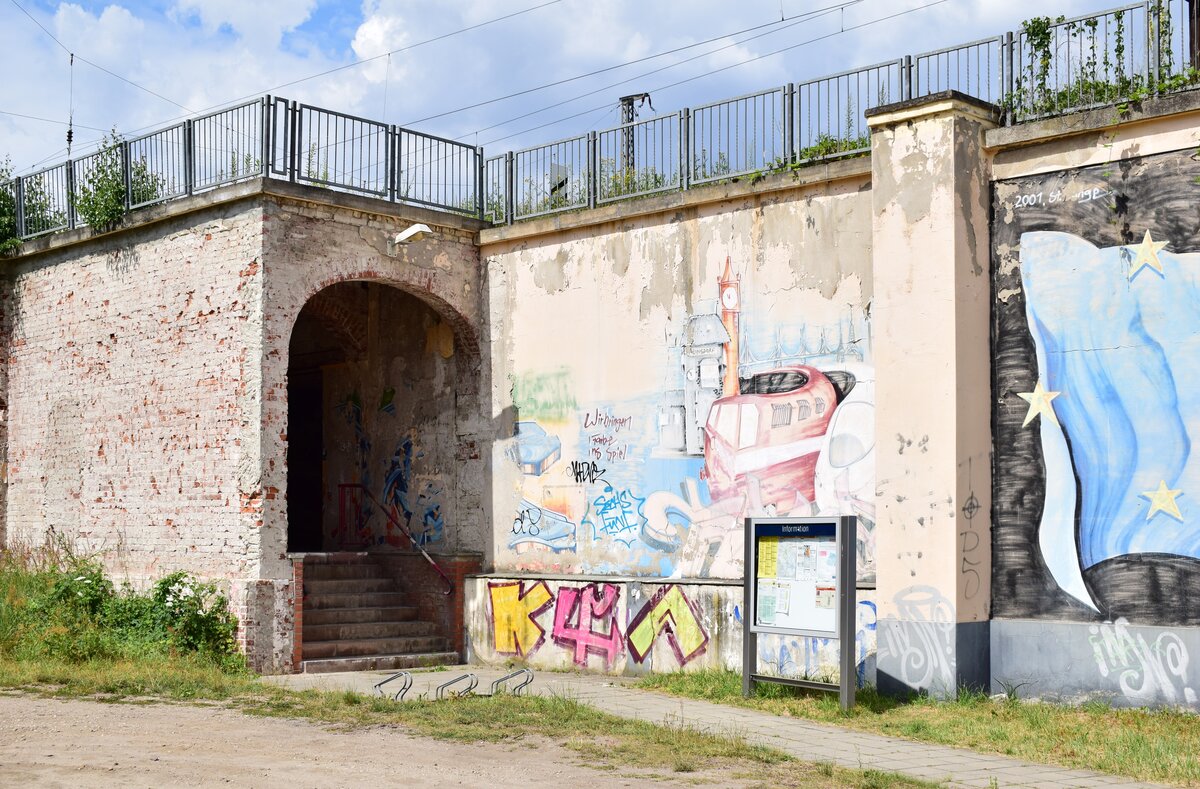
column 1150, row 745
column 598, row 739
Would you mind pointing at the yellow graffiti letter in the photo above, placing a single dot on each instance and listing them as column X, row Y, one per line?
column 513, row 616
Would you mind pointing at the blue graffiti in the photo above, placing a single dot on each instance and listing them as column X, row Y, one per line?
column 617, row 514
column 398, row 494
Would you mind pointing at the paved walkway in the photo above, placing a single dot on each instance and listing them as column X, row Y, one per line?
column 813, row 742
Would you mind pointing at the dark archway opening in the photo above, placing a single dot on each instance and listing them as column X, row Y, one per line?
column 371, row 401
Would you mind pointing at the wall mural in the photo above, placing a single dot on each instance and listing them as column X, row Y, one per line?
column 1096, row 332
column 758, row 413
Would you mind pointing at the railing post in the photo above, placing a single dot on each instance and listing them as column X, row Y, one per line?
column 1154, row 51
column 1008, row 62
column 685, row 148
column 906, row 77
column 480, row 180
column 266, row 136
column 509, row 187
column 789, row 123
column 71, row 195
column 393, row 156
column 592, row 169
column 20, row 198
column 126, row 165
column 293, row 128
column 189, row 157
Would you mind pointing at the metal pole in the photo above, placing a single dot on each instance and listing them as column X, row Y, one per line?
column 509, row 188
column 293, row 122
column 789, row 123
column 71, row 195
column 906, row 78
column 591, row 168
column 1155, row 42
column 1007, row 61
column 393, row 157
column 685, row 149
column 20, row 198
column 189, row 157
column 480, row 180
column 749, row 637
column 126, row 166
column 266, row 136
column 848, row 600
column 1193, row 28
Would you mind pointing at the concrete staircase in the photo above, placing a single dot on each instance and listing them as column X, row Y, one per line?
column 356, row 618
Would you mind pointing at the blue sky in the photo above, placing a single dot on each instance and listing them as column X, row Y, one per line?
column 205, row 53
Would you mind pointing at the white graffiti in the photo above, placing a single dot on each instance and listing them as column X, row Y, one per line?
column 1146, row 672
column 921, row 639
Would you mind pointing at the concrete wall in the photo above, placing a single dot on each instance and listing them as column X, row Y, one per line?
column 632, row 627
column 1097, row 549
column 619, row 347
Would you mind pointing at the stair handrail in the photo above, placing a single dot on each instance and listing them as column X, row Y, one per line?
column 404, row 529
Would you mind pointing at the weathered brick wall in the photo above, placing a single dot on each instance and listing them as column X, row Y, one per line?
column 131, row 371
column 147, row 372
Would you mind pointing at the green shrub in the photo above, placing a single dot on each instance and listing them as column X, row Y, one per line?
column 69, row 610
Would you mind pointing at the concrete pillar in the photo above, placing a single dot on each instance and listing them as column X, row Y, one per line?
column 930, row 327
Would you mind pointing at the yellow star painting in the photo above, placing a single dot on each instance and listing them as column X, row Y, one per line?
column 1039, row 403
column 1145, row 255
column 1163, row 500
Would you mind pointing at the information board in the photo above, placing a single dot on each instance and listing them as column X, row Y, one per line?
column 796, row 576
column 800, row 581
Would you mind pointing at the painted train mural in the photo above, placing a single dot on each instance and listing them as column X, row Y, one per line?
column 753, row 418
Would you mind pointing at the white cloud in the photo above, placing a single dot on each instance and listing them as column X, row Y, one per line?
column 260, row 23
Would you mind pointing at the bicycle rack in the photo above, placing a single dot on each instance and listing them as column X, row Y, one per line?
column 474, row 680
column 516, row 691
column 404, row 687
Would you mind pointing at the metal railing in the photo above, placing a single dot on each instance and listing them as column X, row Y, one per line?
column 738, row 136
column 1049, row 67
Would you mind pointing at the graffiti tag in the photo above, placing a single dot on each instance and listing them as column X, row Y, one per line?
column 575, row 617
column 586, row 471
column 617, row 514
column 671, row 612
column 1146, row 672
column 514, row 610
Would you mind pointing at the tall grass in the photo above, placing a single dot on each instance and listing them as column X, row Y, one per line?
column 56, row 606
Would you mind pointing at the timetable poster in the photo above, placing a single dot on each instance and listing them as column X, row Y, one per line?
column 797, row 582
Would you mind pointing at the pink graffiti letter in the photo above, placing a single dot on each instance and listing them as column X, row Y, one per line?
column 576, row 613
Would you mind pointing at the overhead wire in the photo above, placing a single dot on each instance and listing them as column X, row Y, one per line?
column 807, row 18
column 317, row 75
column 731, row 66
column 800, row 18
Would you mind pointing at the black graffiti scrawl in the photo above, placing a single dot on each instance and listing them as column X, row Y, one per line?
column 1096, row 378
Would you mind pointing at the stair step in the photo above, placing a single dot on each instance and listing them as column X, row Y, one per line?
column 347, row 557
column 348, row 616
column 324, row 586
column 363, row 647
column 371, row 600
column 379, row 662
column 392, row 629
column 320, row 572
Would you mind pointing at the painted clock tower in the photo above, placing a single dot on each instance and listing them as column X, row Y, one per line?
column 729, row 287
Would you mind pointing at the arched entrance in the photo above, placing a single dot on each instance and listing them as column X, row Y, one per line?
column 372, row 381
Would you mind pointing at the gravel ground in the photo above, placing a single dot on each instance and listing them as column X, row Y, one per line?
column 52, row 742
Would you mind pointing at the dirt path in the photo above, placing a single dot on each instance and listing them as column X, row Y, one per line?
column 51, row 742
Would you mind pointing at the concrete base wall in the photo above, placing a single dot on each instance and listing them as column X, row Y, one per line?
column 633, row 627
column 1127, row 665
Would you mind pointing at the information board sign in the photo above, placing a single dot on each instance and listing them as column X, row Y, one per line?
column 800, row 581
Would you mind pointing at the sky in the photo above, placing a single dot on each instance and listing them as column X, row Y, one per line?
column 201, row 54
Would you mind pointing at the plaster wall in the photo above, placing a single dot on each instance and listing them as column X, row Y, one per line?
column 1093, row 410
column 615, row 353
column 930, row 213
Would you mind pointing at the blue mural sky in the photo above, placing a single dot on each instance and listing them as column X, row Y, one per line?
column 197, row 54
